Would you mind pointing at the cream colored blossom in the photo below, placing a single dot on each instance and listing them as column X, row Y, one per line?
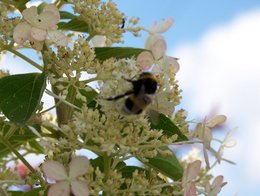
column 98, row 41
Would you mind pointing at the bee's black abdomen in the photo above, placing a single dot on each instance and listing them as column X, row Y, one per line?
column 129, row 104
column 150, row 85
column 145, row 81
column 139, row 111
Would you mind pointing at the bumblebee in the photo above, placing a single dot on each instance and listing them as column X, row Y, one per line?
column 139, row 97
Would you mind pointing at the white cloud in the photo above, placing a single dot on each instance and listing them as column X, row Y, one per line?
column 222, row 70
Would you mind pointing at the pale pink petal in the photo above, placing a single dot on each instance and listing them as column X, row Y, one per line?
column 59, row 189
column 30, row 14
column 99, row 41
column 228, row 141
column 78, row 166
column 219, row 119
column 54, row 170
column 52, row 8
column 58, row 37
column 21, row 32
column 145, row 60
column 158, row 47
column 38, row 34
column 217, row 181
column 79, row 188
column 190, row 189
column 153, row 27
column 173, row 64
column 163, row 26
column 148, row 42
column 47, row 20
column 207, row 137
column 191, row 172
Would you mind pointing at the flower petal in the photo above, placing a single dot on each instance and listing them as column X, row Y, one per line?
column 219, row 119
column 145, row 60
column 30, row 14
column 79, row 188
column 99, row 41
column 59, row 189
column 47, row 20
column 21, row 32
column 52, row 8
column 191, row 172
column 190, row 190
column 217, row 182
column 172, row 64
column 58, row 37
column 78, row 166
column 38, row 34
column 162, row 26
column 158, row 46
column 54, row 170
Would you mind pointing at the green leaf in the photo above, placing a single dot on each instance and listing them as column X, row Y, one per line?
column 168, row 127
column 40, row 7
column 90, row 95
column 17, row 139
column 127, row 171
column 103, row 53
column 74, row 25
column 98, row 162
column 20, row 95
column 36, row 146
column 66, row 15
column 167, row 165
column 20, row 5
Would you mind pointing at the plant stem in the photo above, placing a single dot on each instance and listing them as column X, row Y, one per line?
column 90, row 37
column 107, row 163
column 12, row 181
column 8, row 145
column 89, row 80
column 23, row 57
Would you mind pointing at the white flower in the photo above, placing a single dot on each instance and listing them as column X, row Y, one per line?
column 37, row 27
column 157, row 45
column 98, row 41
column 203, row 131
column 228, row 142
column 67, row 182
column 216, row 186
column 189, row 175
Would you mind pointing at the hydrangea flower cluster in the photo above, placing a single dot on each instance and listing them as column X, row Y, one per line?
column 85, row 71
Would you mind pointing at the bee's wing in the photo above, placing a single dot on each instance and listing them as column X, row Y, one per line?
column 154, row 116
column 153, row 111
column 120, row 96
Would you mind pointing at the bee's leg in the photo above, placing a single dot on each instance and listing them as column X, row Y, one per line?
column 120, row 96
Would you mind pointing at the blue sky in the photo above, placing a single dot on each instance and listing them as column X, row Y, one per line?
column 218, row 44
